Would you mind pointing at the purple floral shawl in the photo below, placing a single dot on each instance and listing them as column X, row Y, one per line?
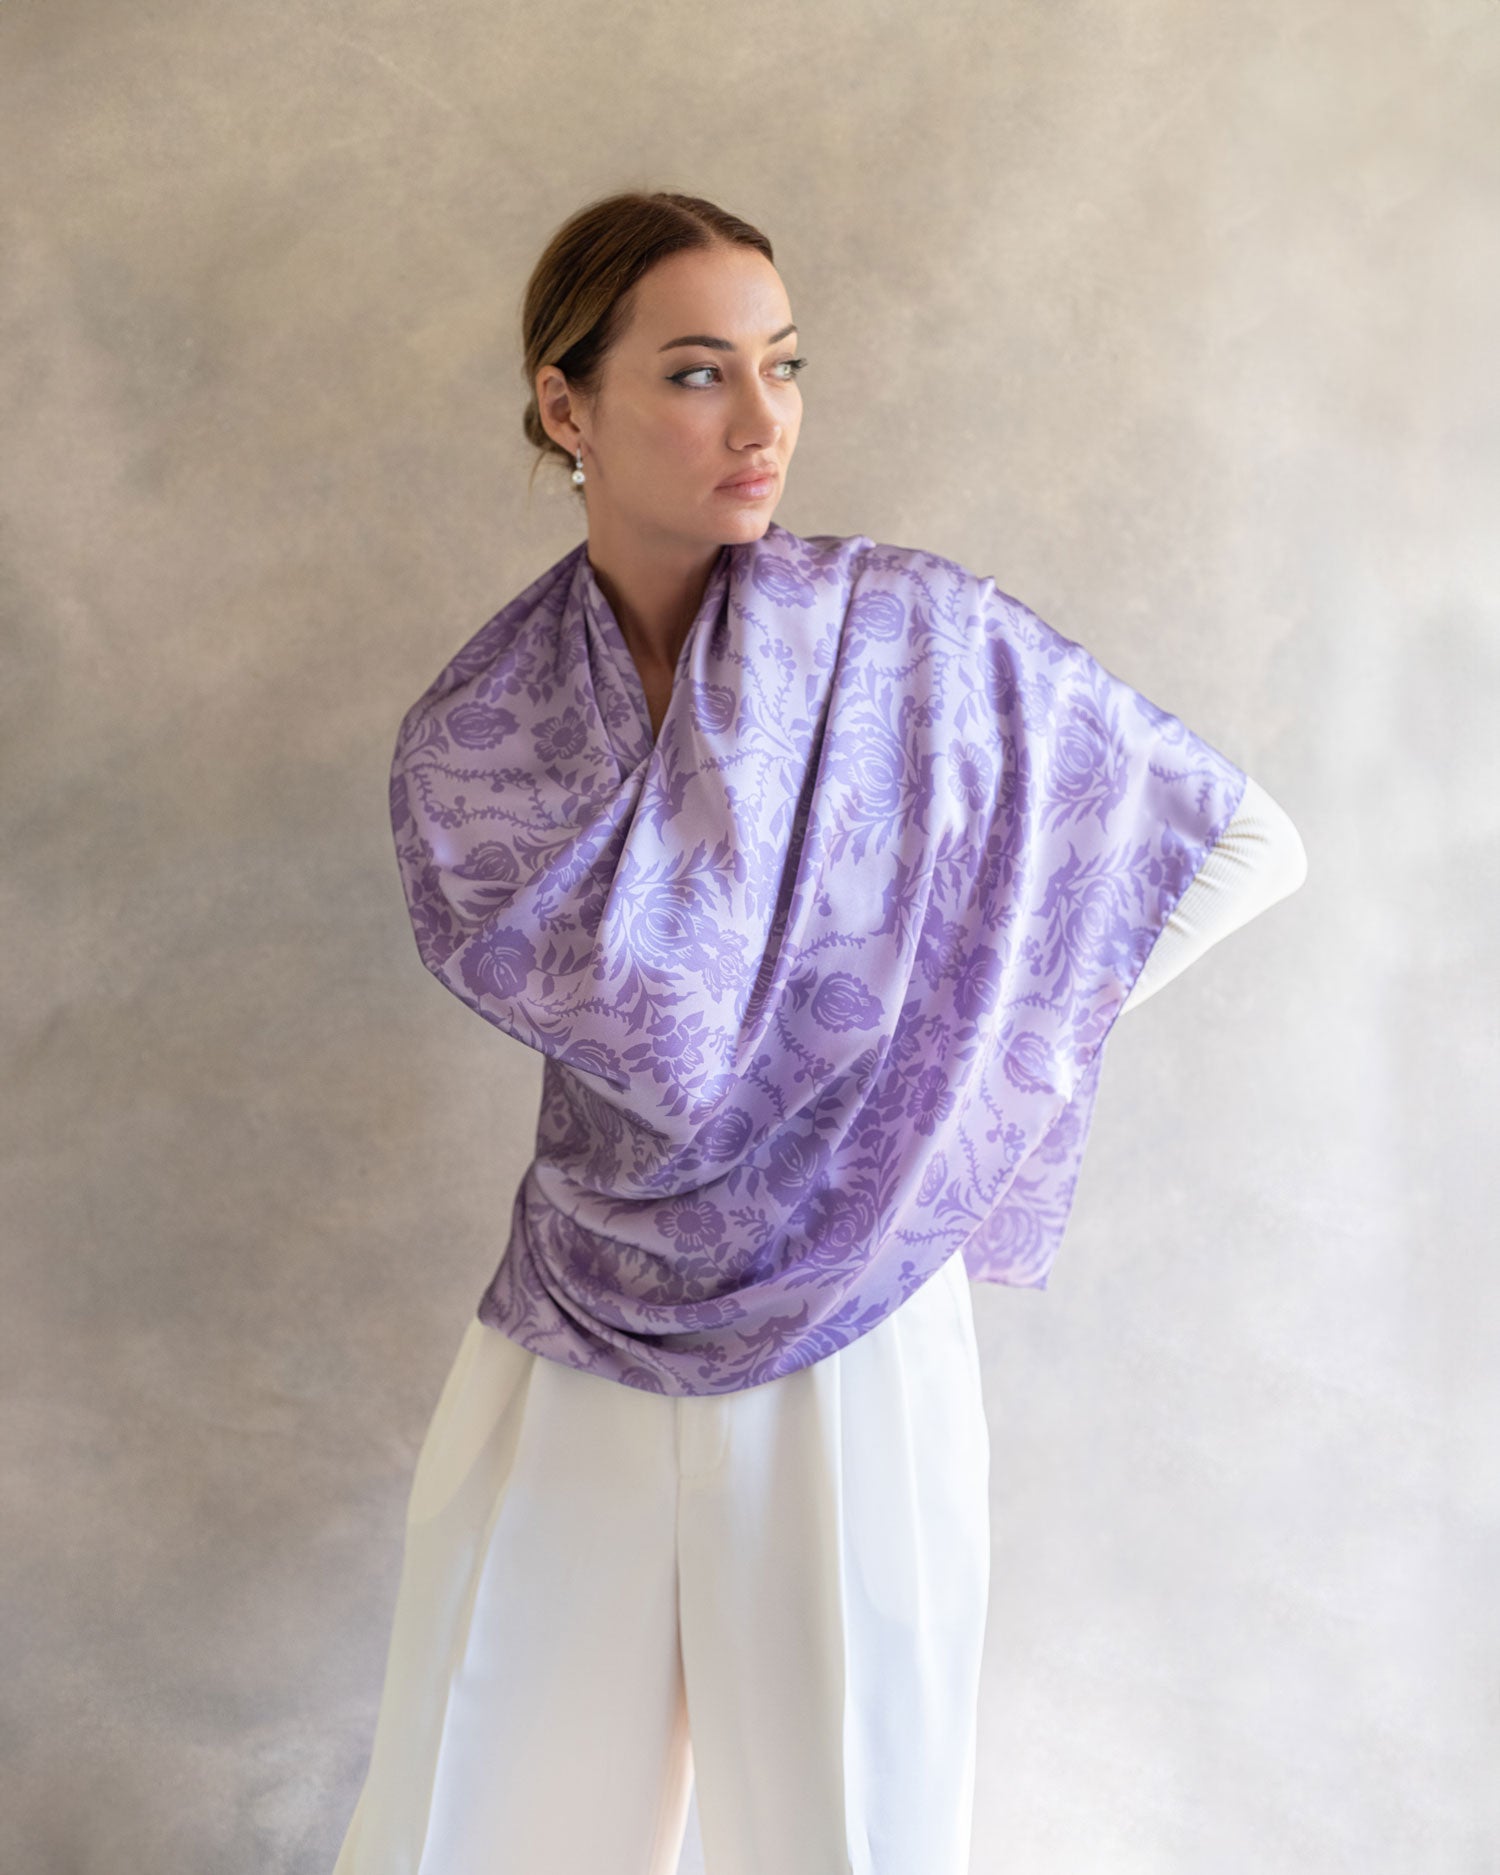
column 822, row 976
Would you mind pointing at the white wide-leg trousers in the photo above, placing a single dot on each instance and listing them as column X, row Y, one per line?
column 606, row 1592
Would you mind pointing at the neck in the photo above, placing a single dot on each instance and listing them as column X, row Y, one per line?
column 653, row 593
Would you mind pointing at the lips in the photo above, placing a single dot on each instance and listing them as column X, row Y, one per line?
column 767, row 474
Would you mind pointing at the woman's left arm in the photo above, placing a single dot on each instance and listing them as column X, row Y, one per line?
column 1258, row 859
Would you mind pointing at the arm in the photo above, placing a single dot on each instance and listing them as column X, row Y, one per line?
column 1258, row 859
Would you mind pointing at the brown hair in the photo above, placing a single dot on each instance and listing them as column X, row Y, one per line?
column 577, row 299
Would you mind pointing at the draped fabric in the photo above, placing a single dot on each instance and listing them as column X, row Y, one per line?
column 822, row 974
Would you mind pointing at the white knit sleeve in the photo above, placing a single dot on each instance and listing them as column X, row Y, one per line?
column 1258, row 859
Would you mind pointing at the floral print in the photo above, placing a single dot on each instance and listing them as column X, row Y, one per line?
column 821, row 974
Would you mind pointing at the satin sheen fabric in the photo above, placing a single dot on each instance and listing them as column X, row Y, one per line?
column 822, row 974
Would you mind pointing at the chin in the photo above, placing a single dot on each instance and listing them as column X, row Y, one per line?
column 751, row 522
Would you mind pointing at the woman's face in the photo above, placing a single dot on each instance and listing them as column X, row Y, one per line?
column 673, row 422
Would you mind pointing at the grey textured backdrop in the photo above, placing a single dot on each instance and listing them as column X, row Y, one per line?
column 1177, row 320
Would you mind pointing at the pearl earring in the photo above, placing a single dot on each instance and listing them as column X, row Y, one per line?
column 578, row 472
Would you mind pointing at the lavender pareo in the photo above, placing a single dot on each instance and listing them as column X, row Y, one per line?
column 822, row 975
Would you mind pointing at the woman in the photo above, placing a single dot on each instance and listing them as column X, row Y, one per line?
column 818, row 870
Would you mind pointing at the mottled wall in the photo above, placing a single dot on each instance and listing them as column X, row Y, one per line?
column 1176, row 319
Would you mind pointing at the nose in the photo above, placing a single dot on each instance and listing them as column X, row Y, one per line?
column 757, row 421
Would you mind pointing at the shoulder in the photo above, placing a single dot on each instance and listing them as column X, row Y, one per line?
column 863, row 565
column 924, row 588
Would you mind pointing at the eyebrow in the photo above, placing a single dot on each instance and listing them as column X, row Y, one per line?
column 720, row 345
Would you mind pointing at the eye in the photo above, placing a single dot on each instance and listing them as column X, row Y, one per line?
column 794, row 364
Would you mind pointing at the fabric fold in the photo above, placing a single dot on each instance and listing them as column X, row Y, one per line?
column 822, row 973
